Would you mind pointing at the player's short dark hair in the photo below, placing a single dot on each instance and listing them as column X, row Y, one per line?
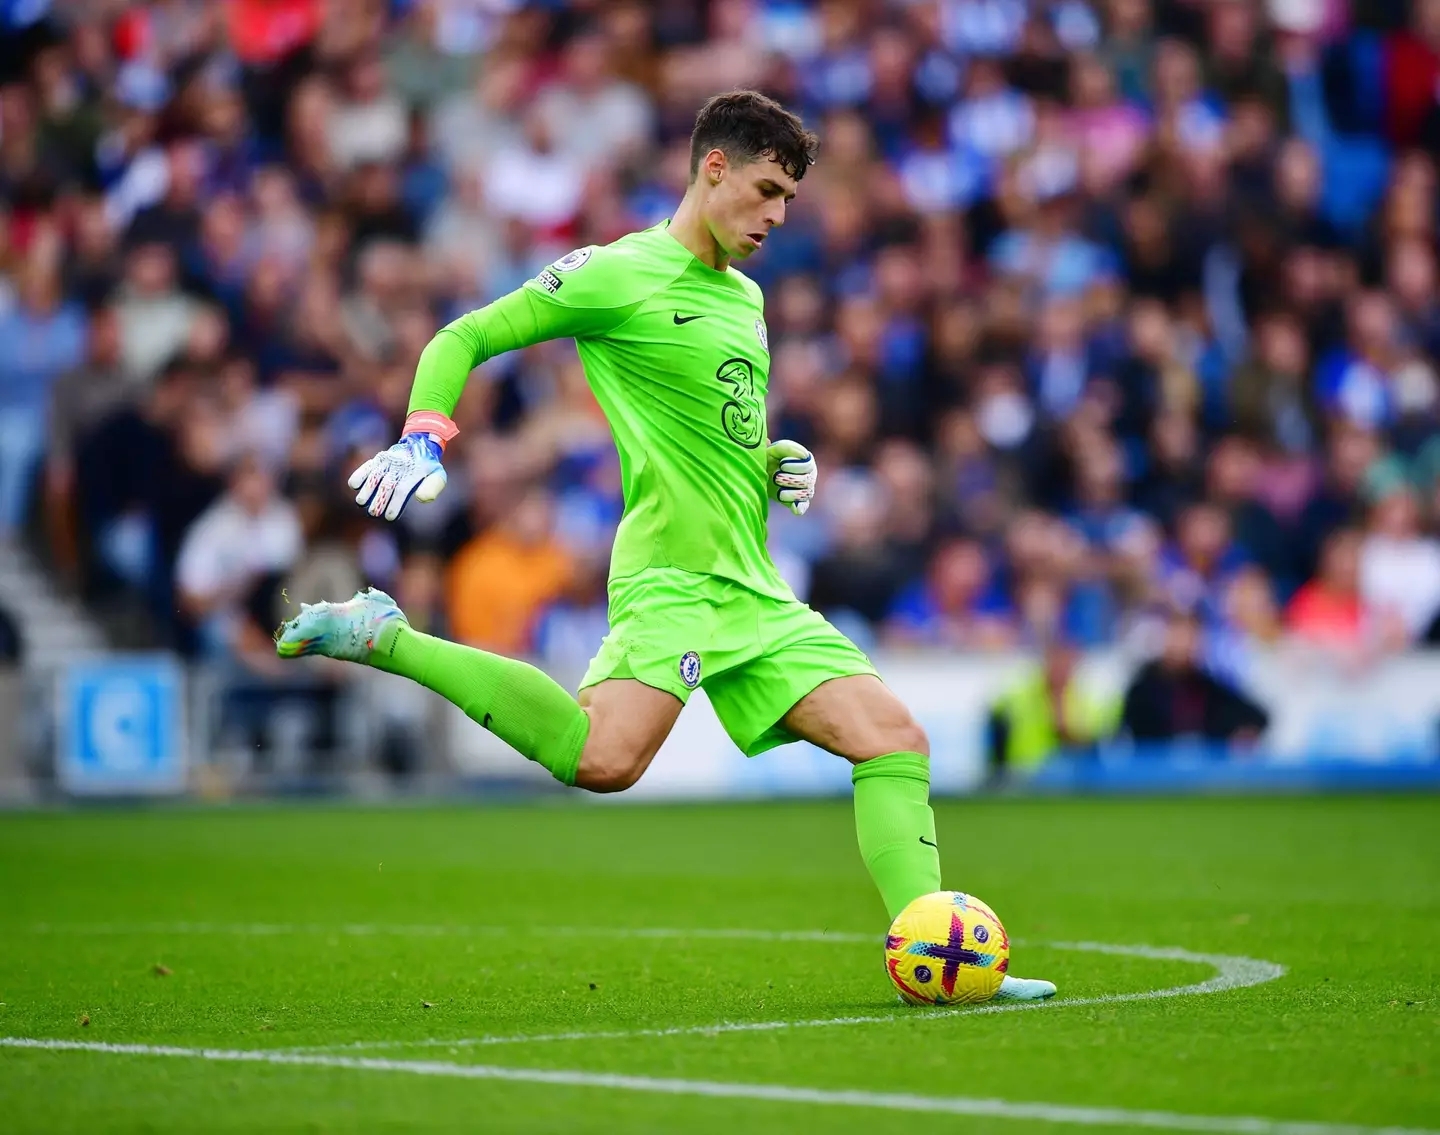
column 748, row 126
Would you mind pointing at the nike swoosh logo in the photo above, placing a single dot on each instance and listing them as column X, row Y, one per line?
column 486, row 723
column 927, row 843
column 679, row 319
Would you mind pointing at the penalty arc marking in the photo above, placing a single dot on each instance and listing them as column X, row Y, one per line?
column 1231, row 972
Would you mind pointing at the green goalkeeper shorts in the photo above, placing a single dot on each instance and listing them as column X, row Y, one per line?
column 755, row 656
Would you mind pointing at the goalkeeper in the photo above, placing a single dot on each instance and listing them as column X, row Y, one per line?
column 673, row 343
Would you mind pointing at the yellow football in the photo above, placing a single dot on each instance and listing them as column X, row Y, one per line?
column 947, row 948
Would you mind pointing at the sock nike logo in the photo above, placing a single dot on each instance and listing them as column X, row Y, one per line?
column 682, row 319
column 927, row 843
column 486, row 722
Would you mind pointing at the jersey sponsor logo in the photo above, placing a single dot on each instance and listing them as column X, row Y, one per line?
column 549, row 281
column 690, row 669
column 760, row 332
column 572, row 260
column 742, row 417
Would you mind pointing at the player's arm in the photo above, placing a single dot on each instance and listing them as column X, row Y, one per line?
column 598, row 299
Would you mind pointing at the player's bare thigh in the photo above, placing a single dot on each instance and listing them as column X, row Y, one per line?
column 857, row 717
column 629, row 721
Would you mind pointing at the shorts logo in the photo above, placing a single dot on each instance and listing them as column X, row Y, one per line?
column 760, row 332
column 549, row 281
column 690, row 669
column 572, row 260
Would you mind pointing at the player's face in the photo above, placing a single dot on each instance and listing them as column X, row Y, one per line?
column 747, row 202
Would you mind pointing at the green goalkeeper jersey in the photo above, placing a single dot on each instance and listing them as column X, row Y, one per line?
column 677, row 356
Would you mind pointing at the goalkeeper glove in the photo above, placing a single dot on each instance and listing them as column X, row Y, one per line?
column 792, row 475
column 409, row 468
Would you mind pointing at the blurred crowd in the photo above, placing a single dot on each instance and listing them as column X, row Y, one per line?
column 1094, row 311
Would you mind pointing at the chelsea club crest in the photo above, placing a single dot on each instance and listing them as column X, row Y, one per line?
column 690, row 669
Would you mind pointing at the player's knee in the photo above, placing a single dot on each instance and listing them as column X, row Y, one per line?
column 902, row 737
column 914, row 739
column 899, row 732
column 606, row 769
column 884, row 738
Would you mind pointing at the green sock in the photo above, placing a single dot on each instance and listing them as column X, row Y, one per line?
column 896, row 828
column 515, row 701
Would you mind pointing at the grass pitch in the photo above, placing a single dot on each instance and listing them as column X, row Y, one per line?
column 409, row 964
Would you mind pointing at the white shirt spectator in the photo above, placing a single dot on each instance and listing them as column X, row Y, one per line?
column 229, row 545
column 467, row 129
column 1403, row 576
column 613, row 121
column 372, row 131
column 543, row 189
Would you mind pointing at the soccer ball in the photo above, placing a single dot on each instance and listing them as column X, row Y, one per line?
column 947, row 948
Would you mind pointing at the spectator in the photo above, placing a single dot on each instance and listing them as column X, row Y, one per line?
column 1234, row 484
column 502, row 581
column 155, row 316
column 1047, row 711
column 248, row 534
column 959, row 604
column 367, row 123
column 1329, row 612
column 534, row 181
column 1202, row 561
column 592, row 114
column 82, row 399
column 42, row 337
column 859, row 575
column 1172, row 697
column 1270, row 395
column 1399, row 564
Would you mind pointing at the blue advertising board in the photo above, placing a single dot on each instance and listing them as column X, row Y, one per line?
column 121, row 727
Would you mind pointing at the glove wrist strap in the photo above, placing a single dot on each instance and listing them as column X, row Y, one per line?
column 431, row 422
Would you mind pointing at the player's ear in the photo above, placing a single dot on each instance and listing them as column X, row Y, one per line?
column 715, row 165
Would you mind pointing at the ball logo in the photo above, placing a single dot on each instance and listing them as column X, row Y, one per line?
column 760, row 331
column 982, row 935
column 572, row 260
column 690, row 669
column 923, row 974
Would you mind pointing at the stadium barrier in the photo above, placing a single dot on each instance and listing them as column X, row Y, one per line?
column 125, row 725
column 1331, row 725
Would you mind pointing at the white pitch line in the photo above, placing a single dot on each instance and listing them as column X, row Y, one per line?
column 768, row 1093
column 364, row 930
column 1231, row 972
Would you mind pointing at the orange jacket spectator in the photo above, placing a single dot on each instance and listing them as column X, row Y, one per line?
column 502, row 580
column 1328, row 611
